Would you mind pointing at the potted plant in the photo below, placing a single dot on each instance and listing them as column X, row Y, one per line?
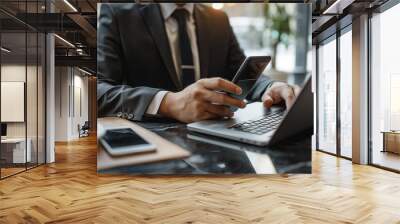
column 277, row 21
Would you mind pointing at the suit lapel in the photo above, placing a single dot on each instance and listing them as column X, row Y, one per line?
column 155, row 23
column 202, row 23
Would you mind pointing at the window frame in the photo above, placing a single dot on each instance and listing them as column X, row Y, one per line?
column 342, row 27
column 380, row 9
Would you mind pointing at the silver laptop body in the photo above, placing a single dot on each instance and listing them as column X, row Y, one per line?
column 298, row 119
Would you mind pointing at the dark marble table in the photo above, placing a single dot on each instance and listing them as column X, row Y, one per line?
column 211, row 155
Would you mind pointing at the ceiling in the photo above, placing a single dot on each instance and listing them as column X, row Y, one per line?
column 328, row 15
column 76, row 20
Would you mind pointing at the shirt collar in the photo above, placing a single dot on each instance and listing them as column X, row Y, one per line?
column 168, row 8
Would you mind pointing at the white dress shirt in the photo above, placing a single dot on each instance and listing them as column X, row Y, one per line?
column 171, row 27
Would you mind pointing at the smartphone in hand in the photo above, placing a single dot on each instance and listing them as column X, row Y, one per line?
column 248, row 74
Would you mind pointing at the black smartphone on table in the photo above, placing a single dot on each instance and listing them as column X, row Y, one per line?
column 248, row 74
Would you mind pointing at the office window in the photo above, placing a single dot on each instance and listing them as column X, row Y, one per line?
column 327, row 96
column 385, row 88
column 346, row 93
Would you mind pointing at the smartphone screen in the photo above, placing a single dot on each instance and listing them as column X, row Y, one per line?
column 124, row 141
column 248, row 74
column 251, row 68
column 119, row 138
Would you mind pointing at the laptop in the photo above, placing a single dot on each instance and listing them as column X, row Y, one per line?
column 260, row 126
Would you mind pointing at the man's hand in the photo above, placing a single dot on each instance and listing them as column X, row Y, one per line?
column 201, row 101
column 280, row 92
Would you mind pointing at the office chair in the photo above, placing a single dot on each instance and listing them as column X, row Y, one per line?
column 84, row 130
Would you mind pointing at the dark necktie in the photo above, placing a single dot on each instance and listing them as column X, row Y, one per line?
column 187, row 67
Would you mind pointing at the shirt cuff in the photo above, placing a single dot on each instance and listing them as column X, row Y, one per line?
column 154, row 105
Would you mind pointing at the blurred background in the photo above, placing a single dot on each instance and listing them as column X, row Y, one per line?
column 280, row 30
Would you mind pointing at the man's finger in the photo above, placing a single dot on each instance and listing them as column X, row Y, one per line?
column 207, row 116
column 272, row 96
column 223, row 99
column 289, row 95
column 267, row 100
column 221, row 84
column 219, row 110
column 297, row 90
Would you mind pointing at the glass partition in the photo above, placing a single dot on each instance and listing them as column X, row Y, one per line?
column 31, row 97
column 15, row 149
column 385, row 89
column 34, row 69
column 22, row 90
column 326, row 106
column 346, row 93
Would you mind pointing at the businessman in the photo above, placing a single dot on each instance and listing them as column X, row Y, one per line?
column 171, row 60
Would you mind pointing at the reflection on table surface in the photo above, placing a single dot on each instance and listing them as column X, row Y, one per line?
column 212, row 155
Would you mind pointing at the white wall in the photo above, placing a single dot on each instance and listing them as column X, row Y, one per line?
column 12, row 100
column 61, row 104
column 71, row 94
column 14, row 73
column 17, row 73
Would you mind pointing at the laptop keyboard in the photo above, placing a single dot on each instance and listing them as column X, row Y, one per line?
column 261, row 125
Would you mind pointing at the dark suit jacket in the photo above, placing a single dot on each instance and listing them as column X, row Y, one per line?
column 134, row 59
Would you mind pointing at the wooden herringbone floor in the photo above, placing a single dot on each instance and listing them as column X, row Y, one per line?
column 70, row 191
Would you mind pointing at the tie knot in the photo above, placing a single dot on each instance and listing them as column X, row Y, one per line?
column 180, row 14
